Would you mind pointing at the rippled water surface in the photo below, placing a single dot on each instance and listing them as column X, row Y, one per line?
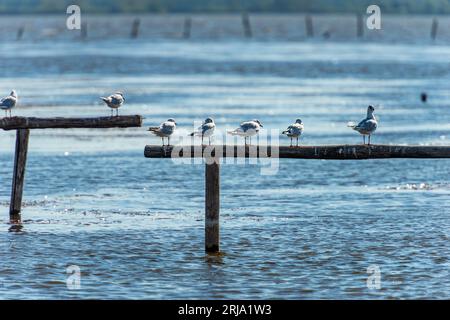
column 134, row 226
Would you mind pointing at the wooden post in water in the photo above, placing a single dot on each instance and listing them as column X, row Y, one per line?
column 246, row 24
column 20, row 160
column 359, row 26
column 135, row 28
column 309, row 26
column 434, row 28
column 187, row 28
column 84, row 30
column 212, row 206
column 20, row 32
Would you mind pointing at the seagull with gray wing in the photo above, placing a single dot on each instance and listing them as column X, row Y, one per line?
column 165, row 130
column 9, row 102
column 247, row 129
column 367, row 126
column 295, row 130
column 205, row 130
column 114, row 101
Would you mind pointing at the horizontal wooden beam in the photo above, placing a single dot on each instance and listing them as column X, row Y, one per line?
column 66, row 123
column 331, row 152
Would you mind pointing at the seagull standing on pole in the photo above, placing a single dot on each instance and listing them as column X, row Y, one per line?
column 295, row 130
column 9, row 102
column 367, row 126
column 205, row 130
column 247, row 130
column 165, row 130
column 114, row 101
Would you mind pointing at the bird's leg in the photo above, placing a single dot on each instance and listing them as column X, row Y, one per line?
column 291, row 142
column 162, row 141
column 112, row 112
column 10, row 113
column 6, row 113
column 364, row 139
column 168, row 141
column 202, row 139
column 369, row 140
column 245, row 141
column 209, row 140
column 297, row 141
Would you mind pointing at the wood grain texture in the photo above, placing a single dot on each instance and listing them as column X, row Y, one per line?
column 15, row 123
column 331, row 152
column 20, row 160
column 212, row 207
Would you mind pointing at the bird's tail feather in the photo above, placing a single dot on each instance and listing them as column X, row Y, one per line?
column 104, row 99
column 153, row 129
column 351, row 124
column 192, row 134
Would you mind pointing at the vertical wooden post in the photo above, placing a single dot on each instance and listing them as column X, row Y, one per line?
column 246, row 24
column 359, row 26
column 309, row 26
column 20, row 160
column 434, row 28
column 20, row 32
column 135, row 28
column 212, row 207
column 84, row 31
column 187, row 28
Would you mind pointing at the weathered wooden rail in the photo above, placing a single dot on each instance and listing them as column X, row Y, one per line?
column 212, row 155
column 22, row 125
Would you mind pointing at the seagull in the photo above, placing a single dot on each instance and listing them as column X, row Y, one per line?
column 114, row 101
column 165, row 130
column 205, row 130
column 367, row 126
column 9, row 102
column 247, row 129
column 295, row 130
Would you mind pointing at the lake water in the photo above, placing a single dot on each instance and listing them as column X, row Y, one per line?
column 134, row 226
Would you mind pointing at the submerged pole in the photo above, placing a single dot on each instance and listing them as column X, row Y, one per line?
column 20, row 160
column 20, row 32
column 359, row 26
column 187, row 28
column 84, row 31
column 246, row 24
column 212, row 207
column 434, row 28
column 135, row 28
column 309, row 26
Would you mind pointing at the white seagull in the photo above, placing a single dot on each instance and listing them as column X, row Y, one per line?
column 247, row 129
column 205, row 130
column 165, row 130
column 114, row 101
column 367, row 126
column 295, row 130
column 9, row 102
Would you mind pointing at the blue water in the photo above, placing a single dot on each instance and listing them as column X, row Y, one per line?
column 134, row 226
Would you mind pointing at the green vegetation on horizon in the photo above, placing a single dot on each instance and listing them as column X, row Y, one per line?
column 224, row 6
